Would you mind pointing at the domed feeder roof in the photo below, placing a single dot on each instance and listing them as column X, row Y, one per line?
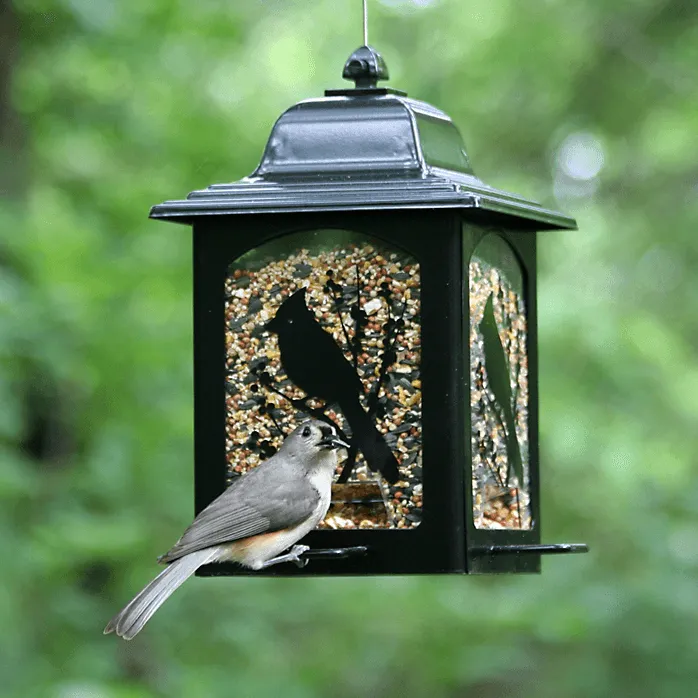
column 364, row 148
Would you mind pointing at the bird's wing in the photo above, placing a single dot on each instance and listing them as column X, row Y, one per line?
column 268, row 498
column 340, row 368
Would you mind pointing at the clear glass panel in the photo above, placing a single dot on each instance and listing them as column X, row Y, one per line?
column 442, row 144
column 362, row 370
column 499, row 388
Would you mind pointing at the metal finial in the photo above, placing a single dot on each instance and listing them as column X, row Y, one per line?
column 365, row 67
column 365, row 22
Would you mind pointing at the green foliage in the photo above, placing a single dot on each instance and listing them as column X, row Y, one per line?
column 122, row 105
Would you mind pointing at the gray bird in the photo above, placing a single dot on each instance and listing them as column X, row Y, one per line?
column 263, row 513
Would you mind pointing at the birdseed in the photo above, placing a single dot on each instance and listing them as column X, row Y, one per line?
column 346, row 275
column 500, row 501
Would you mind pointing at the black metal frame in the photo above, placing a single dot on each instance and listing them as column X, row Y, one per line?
column 446, row 541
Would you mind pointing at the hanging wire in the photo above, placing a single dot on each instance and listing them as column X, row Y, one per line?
column 365, row 22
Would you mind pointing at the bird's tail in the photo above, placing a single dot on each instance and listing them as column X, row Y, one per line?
column 131, row 619
column 370, row 441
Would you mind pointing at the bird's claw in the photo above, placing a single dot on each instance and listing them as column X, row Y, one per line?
column 295, row 555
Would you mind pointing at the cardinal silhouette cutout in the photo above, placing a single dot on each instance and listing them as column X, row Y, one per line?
column 314, row 361
column 498, row 377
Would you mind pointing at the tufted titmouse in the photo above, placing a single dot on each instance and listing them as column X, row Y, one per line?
column 260, row 515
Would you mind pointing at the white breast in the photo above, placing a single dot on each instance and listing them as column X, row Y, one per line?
column 321, row 479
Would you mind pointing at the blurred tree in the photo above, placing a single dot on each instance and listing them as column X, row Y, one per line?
column 111, row 107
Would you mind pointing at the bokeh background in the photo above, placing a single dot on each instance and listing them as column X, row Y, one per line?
column 108, row 107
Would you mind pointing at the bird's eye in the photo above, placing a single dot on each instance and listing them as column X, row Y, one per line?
column 306, row 432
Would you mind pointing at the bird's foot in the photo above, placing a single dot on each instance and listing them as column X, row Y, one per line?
column 293, row 555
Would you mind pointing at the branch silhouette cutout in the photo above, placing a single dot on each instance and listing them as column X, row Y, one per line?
column 498, row 376
column 314, row 361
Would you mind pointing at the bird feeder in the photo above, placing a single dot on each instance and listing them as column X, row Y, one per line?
column 364, row 275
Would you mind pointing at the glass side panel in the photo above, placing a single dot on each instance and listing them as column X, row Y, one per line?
column 498, row 388
column 327, row 324
column 442, row 145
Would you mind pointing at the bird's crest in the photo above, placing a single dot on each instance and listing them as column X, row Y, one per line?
column 287, row 309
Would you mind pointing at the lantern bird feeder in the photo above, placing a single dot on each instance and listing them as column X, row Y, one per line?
column 364, row 275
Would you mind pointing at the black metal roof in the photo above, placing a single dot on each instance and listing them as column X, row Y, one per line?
column 362, row 149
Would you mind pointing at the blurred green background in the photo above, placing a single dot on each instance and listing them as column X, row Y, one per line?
column 109, row 107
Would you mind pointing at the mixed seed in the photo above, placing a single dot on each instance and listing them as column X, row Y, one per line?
column 368, row 298
column 500, row 499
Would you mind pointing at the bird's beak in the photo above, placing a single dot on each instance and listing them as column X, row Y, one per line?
column 333, row 442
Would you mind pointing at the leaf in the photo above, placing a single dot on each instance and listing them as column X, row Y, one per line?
column 498, row 377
